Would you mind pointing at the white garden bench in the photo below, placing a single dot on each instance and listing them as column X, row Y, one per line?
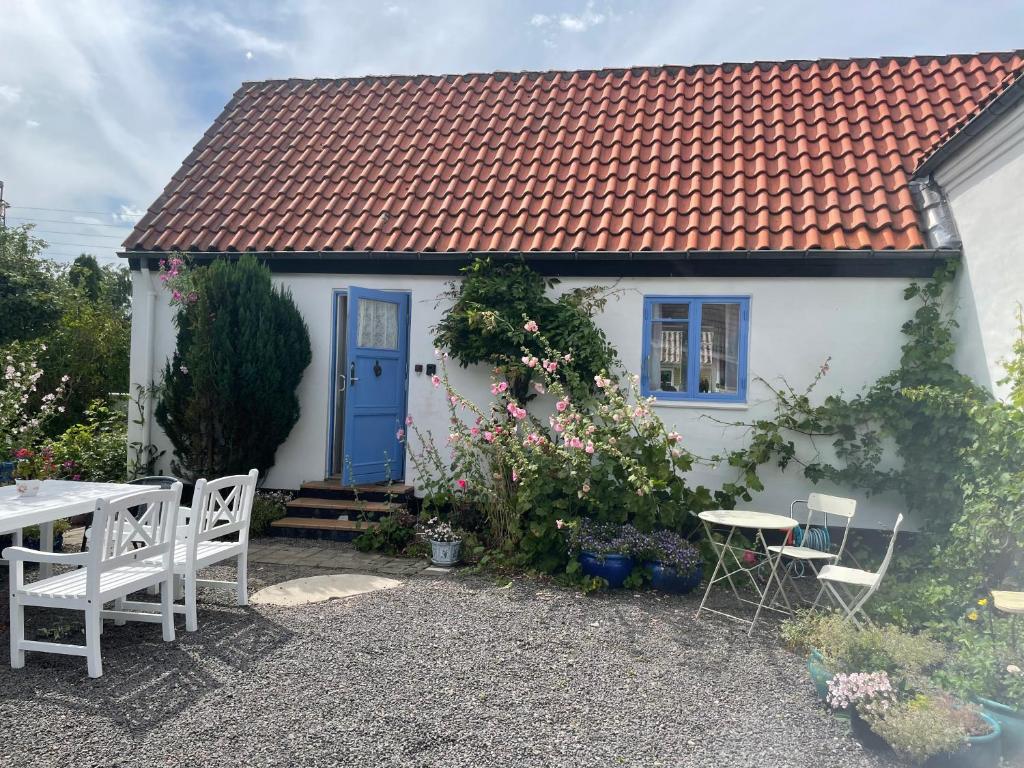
column 134, row 549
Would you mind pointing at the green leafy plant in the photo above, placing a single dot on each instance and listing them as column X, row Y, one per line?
column 96, row 449
column 989, row 661
column 927, row 725
column 392, row 535
column 229, row 398
column 267, row 506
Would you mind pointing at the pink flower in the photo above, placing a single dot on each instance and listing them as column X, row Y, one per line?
column 674, row 437
column 550, row 366
column 408, row 421
column 575, row 442
column 489, row 436
column 515, row 476
column 562, row 404
column 454, row 399
column 531, row 326
column 749, row 557
column 435, row 380
column 183, row 369
column 497, row 389
column 567, row 357
column 530, row 362
column 400, row 435
column 461, row 482
column 589, row 448
column 474, row 431
column 176, row 295
column 560, row 524
column 601, row 381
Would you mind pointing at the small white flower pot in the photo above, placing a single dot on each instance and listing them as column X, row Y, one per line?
column 445, row 553
column 26, row 488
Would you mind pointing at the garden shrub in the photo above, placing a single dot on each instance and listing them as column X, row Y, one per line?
column 228, row 398
column 96, row 449
column 923, row 726
column 392, row 535
column 267, row 506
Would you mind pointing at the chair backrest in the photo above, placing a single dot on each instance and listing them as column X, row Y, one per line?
column 827, row 505
column 888, row 556
column 221, row 507
column 136, row 526
column 160, row 481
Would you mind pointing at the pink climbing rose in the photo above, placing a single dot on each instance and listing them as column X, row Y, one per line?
column 531, row 326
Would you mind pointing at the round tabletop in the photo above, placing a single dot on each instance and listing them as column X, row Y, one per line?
column 742, row 518
column 1008, row 602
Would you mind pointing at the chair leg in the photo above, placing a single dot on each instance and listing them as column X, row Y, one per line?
column 243, row 586
column 191, row 609
column 93, row 628
column 17, row 630
column 118, row 606
column 167, row 608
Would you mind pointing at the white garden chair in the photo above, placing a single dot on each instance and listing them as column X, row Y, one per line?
column 133, row 549
column 810, row 556
column 857, row 584
column 220, row 508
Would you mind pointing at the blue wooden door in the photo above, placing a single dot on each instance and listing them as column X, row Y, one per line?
column 376, row 364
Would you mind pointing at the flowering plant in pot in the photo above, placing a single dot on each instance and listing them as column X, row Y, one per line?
column 31, row 468
column 673, row 562
column 445, row 541
column 606, row 550
column 862, row 695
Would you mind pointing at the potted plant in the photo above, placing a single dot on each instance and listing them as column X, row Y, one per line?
column 862, row 695
column 445, row 542
column 32, row 467
column 31, row 535
column 673, row 562
column 606, row 550
column 936, row 731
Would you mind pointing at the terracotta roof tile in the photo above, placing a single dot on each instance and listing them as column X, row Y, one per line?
column 765, row 156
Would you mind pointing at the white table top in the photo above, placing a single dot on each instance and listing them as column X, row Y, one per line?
column 742, row 518
column 56, row 499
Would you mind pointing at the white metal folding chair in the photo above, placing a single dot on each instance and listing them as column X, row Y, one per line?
column 132, row 548
column 858, row 584
column 801, row 551
column 220, row 508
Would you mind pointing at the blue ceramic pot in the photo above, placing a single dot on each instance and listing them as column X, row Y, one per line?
column 612, row 568
column 668, row 579
column 819, row 674
column 1011, row 721
column 7, row 472
column 981, row 751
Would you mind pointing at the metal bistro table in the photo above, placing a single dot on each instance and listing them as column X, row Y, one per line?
column 734, row 520
column 56, row 499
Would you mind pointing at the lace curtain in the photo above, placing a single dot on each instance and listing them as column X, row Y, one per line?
column 378, row 324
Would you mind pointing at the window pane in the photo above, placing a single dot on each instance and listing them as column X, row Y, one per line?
column 669, row 356
column 719, row 348
column 671, row 311
column 378, row 324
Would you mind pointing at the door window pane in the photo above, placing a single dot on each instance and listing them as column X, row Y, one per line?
column 377, row 324
column 719, row 348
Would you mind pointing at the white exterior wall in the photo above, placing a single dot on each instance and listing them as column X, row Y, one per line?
column 984, row 183
column 795, row 324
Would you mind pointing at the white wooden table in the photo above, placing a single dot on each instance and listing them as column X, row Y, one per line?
column 759, row 522
column 56, row 499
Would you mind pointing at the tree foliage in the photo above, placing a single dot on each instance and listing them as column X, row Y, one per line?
column 490, row 305
column 229, row 395
column 29, row 287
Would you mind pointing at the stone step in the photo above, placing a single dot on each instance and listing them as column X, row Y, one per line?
column 320, row 528
column 333, row 489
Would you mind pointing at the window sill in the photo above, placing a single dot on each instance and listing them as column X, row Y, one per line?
column 709, row 405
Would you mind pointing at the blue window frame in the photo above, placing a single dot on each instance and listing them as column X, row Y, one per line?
column 695, row 348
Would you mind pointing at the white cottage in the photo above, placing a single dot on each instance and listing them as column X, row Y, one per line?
column 761, row 218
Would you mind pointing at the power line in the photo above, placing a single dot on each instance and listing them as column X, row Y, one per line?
column 88, row 235
column 79, row 245
column 72, row 210
column 126, row 225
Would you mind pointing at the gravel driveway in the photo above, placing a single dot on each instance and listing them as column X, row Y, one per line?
column 445, row 671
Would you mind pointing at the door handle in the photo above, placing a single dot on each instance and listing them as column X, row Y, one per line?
column 352, row 378
column 342, row 382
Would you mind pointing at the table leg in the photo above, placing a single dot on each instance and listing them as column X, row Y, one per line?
column 720, row 549
column 45, row 545
column 772, row 576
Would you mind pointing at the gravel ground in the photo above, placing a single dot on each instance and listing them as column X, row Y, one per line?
column 446, row 671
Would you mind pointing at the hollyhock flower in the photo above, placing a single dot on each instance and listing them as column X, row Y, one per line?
column 559, row 524
column 550, row 366
column 589, row 448
column 749, row 557
column 461, row 482
column 575, row 442
column 531, row 326
column 562, row 404
column 454, row 399
column 567, row 357
column 530, row 362
column 176, row 295
column 408, row 421
column 515, row 476
column 435, row 380
column 400, row 435
column 601, row 381
column 489, row 436
column 474, row 431
column 674, row 437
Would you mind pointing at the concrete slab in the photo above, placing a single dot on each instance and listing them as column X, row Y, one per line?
column 317, row 589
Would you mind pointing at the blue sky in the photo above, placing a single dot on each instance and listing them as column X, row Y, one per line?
column 100, row 100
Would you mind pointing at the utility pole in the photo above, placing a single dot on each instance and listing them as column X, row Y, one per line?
column 3, row 208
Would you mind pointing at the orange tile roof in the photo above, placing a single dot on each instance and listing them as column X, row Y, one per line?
column 767, row 156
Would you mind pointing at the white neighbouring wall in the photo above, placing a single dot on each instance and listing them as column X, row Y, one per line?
column 795, row 324
column 984, row 183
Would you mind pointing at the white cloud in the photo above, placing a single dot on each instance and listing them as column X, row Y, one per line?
column 540, row 20
column 583, row 21
column 243, row 38
column 31, row 123
column 10, row 94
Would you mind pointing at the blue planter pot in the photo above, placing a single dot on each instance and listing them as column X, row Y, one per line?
column 819, row 674
column 612, row 568
column 980, row 752
column 669, row 579
column 7, row 472
column 1011, row 721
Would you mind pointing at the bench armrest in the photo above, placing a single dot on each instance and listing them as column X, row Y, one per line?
column 35, row 556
